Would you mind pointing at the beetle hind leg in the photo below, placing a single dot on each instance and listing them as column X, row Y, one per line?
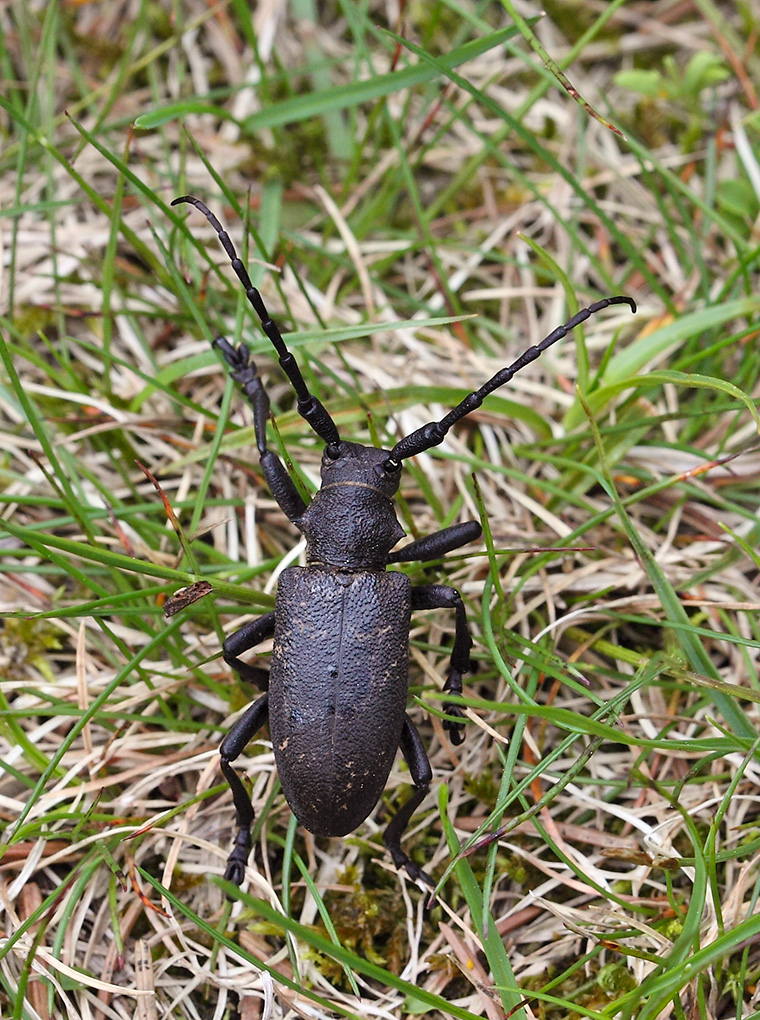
column 414, row 754
column 241, row 851
column 244, row 730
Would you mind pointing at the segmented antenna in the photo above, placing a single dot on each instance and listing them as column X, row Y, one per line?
column 310, row 409
column 434, row 432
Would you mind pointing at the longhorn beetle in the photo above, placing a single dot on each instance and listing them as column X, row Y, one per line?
column 336, row 692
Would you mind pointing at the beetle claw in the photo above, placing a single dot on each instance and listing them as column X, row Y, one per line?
column 455, row 730
column 413, row 870
column 234, row 872
column 238, row 358
column 417, row 874
column 238, row 859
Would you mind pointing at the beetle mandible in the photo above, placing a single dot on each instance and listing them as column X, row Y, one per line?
column 335, row 696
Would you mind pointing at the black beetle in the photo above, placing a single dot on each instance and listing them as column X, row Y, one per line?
column 336, row 691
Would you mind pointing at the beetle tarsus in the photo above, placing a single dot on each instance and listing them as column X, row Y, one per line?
column 394, row 831
column 238, row 859
column 281, row 485
column 416, row 758
column 244, row 730
column 455, row 730
column 413, row 870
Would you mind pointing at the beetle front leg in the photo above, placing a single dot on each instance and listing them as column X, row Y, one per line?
column 416, row 758
column 243, row 371
column 442, row 596
column 244, row 730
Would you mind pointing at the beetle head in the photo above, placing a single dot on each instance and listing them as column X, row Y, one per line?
column 351, row 523
column 362, row 466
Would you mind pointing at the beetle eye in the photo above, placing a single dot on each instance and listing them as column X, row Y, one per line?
column 391, row 466
column 332, row 451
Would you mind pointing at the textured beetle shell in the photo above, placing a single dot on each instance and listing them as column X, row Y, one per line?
column 337, row 691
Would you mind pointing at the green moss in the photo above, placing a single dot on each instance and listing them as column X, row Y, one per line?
column 614, row 979
column 368, row 921
column 28, row 643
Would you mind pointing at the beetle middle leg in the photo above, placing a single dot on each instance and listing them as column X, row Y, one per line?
column 244, row 730
column 416, row 758
column 243, row 640
column 432, row 547
column 443, row 596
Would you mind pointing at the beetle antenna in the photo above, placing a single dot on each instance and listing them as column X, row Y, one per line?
column 310, row 409
column 434, row 432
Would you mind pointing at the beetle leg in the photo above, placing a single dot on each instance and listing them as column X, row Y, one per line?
column 244, row 730
column 432, row 547
column 242, row 640
column 414, row 754
column 442, row 596
column 243, row 371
